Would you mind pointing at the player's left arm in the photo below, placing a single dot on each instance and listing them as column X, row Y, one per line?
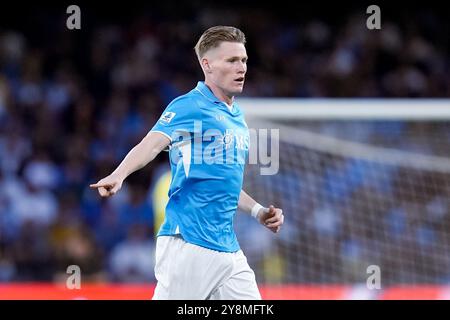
column 271, row 217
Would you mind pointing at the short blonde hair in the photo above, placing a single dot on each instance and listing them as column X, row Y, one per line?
column 212, row 38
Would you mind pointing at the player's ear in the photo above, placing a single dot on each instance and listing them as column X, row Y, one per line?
column 206, row 66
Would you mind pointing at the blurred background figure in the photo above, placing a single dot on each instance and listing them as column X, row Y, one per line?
column 133, row 259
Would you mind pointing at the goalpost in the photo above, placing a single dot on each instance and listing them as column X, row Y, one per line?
column 365, row 188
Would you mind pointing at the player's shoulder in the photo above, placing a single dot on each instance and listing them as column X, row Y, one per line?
column 181, row 101
column 186, row 103
column 189, row 99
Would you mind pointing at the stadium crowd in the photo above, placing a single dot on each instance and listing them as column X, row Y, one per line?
column 72, row 104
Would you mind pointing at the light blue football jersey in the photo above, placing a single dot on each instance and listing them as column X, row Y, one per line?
column 208, row 151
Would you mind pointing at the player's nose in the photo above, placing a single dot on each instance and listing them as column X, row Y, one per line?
column 241, row 69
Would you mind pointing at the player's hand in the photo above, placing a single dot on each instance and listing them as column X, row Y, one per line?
column 108, row 186
column 271, row 217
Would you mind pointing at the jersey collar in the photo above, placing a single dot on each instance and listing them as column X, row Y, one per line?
column 208, row 94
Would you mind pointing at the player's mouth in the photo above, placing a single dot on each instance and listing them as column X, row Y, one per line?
column 239, row 80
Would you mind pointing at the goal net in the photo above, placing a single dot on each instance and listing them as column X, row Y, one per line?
column 365, row 189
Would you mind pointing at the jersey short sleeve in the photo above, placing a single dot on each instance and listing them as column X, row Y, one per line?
column 177, row 119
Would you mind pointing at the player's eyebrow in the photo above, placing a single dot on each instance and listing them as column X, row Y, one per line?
column 245, row 58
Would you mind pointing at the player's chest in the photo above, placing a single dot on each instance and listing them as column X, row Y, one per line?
column 223, row 121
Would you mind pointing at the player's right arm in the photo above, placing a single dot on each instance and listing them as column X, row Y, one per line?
column 138, row 157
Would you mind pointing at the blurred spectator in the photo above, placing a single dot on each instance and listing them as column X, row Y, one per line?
column 74, row 244
column 34, row 203
column 133, row 259
column 32, row 254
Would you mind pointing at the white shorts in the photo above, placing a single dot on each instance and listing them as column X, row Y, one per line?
column 189, row 272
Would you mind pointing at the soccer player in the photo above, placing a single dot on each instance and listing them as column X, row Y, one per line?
column 197, row 253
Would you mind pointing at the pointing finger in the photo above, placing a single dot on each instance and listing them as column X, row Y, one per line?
column 101, row 185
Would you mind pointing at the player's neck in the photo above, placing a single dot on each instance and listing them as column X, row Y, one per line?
column 220, row 94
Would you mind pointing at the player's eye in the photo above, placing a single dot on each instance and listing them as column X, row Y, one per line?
column 233, row 60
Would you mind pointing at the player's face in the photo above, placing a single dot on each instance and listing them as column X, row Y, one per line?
column 227, row 67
